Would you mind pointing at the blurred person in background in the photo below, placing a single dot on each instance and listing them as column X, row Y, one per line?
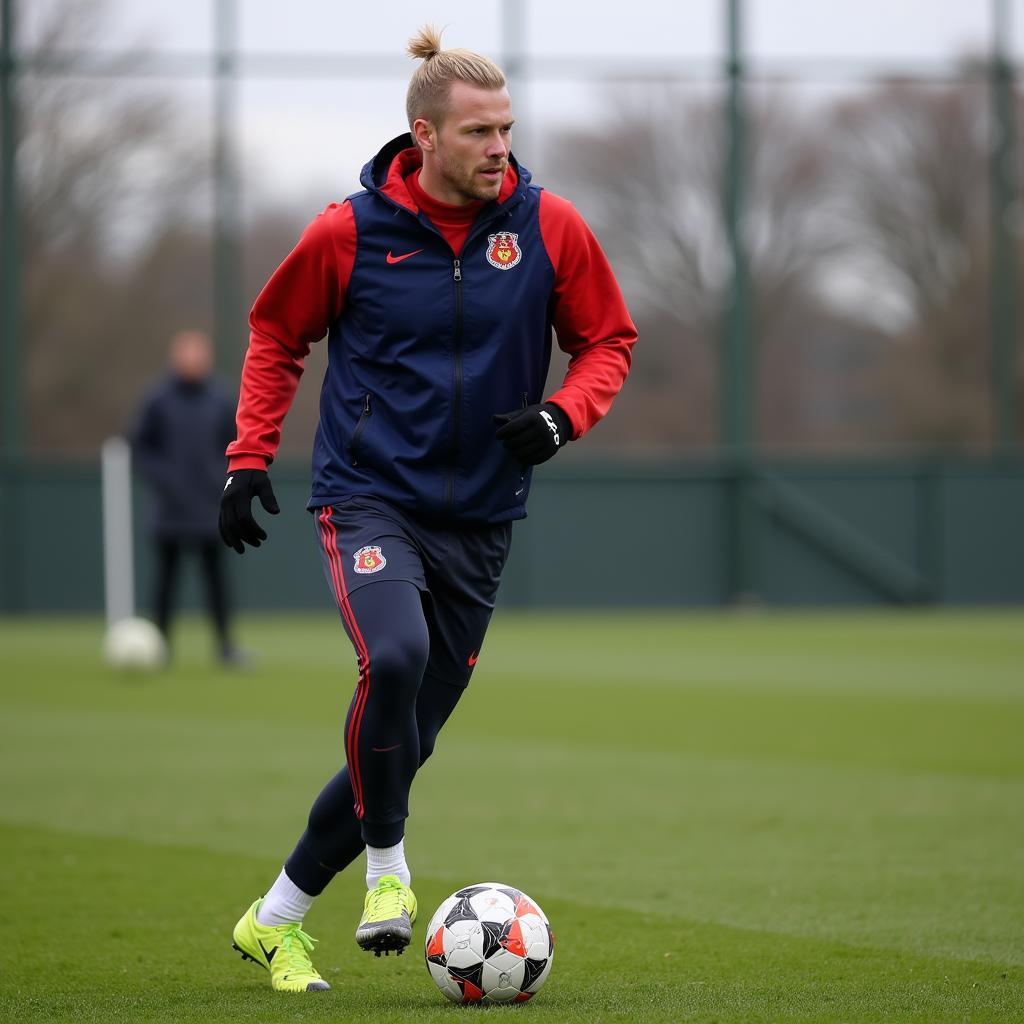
column 178, row 441
column 438, row 287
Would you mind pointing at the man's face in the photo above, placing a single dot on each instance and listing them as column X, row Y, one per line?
column 468, row 153
column 191, row 355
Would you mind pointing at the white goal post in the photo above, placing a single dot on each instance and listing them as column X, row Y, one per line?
column 118, row 549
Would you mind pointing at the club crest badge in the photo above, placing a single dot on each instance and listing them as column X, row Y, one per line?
column 369, row 559
column 503, row 250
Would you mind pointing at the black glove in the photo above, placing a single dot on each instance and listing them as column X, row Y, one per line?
column 535, row 433
column 236, row 521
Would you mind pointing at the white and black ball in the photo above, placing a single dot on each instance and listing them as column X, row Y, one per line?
column 489, row 943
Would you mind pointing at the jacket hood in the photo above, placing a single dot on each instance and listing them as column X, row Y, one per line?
column 386, row 173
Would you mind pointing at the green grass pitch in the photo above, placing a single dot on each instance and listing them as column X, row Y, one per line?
column 728, row 818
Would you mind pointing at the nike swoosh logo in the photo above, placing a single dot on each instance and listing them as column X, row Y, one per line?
column 472, row 659
column 384, row 750
column 404, row 256
column 270, row 955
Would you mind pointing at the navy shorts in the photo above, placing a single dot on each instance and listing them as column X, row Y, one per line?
column 457, row 570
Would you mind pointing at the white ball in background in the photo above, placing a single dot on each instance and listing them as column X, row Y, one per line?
column 135, row 644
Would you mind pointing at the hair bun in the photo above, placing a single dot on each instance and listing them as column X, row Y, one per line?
column 426, row 43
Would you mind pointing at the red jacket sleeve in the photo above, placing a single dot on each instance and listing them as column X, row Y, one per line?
column 589, row 315
column 303, row 297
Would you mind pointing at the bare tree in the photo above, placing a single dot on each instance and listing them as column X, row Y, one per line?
column 911, row 200
column 108, row 176
column 866, row 226
column 651, row 182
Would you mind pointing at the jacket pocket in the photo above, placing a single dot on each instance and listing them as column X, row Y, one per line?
column 357, row 434
column 519, row 490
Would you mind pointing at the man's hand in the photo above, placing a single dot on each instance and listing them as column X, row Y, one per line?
column 236, row 521
column 535, row 433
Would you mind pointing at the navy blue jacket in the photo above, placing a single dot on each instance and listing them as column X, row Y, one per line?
column 177, row 444
column 426, row 347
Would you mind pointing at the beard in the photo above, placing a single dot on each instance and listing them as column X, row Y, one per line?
column 466, row 183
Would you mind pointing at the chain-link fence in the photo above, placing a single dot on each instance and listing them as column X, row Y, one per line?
column 813, row 210
column 820, row 250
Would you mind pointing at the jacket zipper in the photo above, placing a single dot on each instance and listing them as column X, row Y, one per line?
column 449, row 486
column 360, row 427
column 449, row 490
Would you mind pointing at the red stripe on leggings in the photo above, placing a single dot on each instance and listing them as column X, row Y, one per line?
column 338, row 585
column 334, row 556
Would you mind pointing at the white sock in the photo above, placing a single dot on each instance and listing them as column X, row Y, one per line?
column 386, row 860
column 286, row 903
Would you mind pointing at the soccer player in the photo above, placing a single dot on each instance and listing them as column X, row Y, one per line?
column 438, row 286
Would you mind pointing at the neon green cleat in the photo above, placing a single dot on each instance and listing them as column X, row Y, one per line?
column 388, row 915
column 282, row 949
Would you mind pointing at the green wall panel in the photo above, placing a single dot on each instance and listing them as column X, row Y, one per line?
column 793, row 567
column 599, row 534
column 984, row 538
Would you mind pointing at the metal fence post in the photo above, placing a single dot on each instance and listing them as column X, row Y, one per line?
column 513, row 57
column 12, row 566
column 1003, row 194
column 229, row 330
column 10, row 284
column 735, row 391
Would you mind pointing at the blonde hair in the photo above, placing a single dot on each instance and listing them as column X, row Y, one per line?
column 432, row 81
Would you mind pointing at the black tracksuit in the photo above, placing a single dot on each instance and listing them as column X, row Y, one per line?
column 177, row 445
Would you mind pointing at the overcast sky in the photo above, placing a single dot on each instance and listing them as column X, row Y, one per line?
column 775, row 28
column 308, row 137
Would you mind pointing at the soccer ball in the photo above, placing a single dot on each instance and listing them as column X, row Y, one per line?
column 134, row 644
column 489, row 943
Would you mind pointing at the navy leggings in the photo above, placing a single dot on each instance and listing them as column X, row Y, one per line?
column 211, row 552
column 415, row 601
column 397, row 742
